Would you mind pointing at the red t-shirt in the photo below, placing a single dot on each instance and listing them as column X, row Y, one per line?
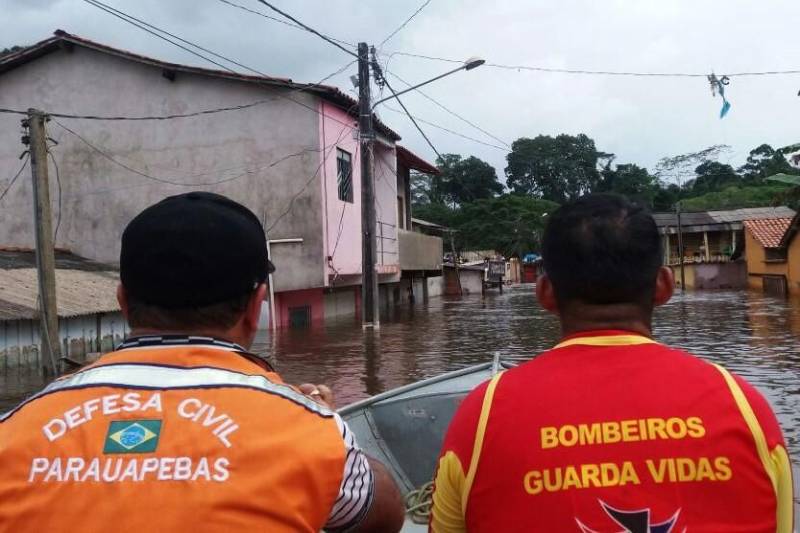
column 609, row 432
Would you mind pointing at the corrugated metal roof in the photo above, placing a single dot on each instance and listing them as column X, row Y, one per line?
column 768, row 232
column 752, row 213
column 77, row 293
column 731, row 216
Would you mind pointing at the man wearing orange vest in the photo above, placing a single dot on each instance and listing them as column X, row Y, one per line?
column 181, row 428
column 611, row 431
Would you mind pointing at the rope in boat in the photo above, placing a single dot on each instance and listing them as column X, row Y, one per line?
column 419, row 502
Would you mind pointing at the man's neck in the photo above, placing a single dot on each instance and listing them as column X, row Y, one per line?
column 147, row 332
column 622, row 317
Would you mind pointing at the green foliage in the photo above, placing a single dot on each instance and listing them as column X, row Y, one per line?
column 736, row 197
column 466, row 180
column 631, row 181
column 558, row 169
column 713, row 176
column 765, row 161
column 511, row 224
column 6, row 51
column 437, row 213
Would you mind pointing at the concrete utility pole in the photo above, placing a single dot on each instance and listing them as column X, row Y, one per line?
column 370, row 315
column 45, row 247
column 680, row 245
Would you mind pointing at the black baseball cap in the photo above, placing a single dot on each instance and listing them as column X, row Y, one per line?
column 193, row 250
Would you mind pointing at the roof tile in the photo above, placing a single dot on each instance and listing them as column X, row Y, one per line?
column 769, row 231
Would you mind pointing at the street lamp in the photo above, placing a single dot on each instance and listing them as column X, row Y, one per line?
column 469, row 64
column 370, row 316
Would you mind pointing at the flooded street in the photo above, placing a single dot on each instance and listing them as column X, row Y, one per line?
column 755, row 336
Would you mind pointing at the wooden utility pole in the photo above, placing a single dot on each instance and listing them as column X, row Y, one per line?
column 680, row 245
column 45, row 247
column 370, row 315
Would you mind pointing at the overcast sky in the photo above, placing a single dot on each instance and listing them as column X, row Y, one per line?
column 639, row 119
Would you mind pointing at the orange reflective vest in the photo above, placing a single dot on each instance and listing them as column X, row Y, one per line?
column 177, row 434
column 613, row 432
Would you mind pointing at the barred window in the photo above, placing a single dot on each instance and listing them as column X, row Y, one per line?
column 344, row 171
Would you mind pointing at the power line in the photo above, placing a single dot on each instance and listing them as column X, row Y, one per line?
column 413, row 120
column 442, row 106
column 11, row 183
column 180, row 115
column 325, row 154
column 130, row 20
column 152, row 117
column 143, row 26
column 276, row 19
column 58, row 182
column 437, row 126
column 170, row 181
column 309, row 29
column 602, row 72
column 403, row 25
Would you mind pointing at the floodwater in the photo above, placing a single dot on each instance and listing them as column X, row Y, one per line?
column 756, row 336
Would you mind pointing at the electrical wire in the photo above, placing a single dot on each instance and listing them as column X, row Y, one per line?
column 58, row 183
column 129, row 19
column 413, row 120
column 182, row 115
column 276, row 19
column 11, row 182
column 151, row 117
column 170, row 181
column 437, row 126
column 405, row 23
column 326, row 154
column 602, row 72
column 442, row 106
column 308, row 28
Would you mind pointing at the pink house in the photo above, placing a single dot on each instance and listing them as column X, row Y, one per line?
column 286, row 150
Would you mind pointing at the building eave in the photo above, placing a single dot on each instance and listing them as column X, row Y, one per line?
column 62, row 40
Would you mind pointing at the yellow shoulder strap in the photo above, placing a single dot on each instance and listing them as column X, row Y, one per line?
column 776, row 462
column 479, row 435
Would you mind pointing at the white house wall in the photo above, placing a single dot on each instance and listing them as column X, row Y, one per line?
column 99, row 197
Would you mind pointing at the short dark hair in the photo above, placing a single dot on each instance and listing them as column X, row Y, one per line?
column 602, row 249
column 220, row 315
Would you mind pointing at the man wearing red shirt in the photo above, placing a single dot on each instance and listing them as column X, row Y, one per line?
column 611, row 431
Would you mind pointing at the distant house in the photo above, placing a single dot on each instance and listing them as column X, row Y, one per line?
column 89, row 319
column 713, row 245
column 773, row 255
column 289, row 151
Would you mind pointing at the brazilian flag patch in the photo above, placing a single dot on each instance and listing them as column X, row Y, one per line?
column 132, row 436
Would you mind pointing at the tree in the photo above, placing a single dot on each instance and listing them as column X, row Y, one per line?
column 557, row 169
column 737, row 197
column 6, row 51
column 426, row 189
column 713, row 176
column 632, row 181
column 765, row 161
column 466, row 180
column 511, row 224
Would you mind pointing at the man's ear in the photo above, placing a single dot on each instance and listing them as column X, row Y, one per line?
column 545, row 294
column 253, row 312
column 122, row 299
column 665, row 286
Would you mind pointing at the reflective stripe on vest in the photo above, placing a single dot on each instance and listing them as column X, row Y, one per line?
column 144, row 376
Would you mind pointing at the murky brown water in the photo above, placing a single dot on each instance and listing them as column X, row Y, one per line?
column 755, row 336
